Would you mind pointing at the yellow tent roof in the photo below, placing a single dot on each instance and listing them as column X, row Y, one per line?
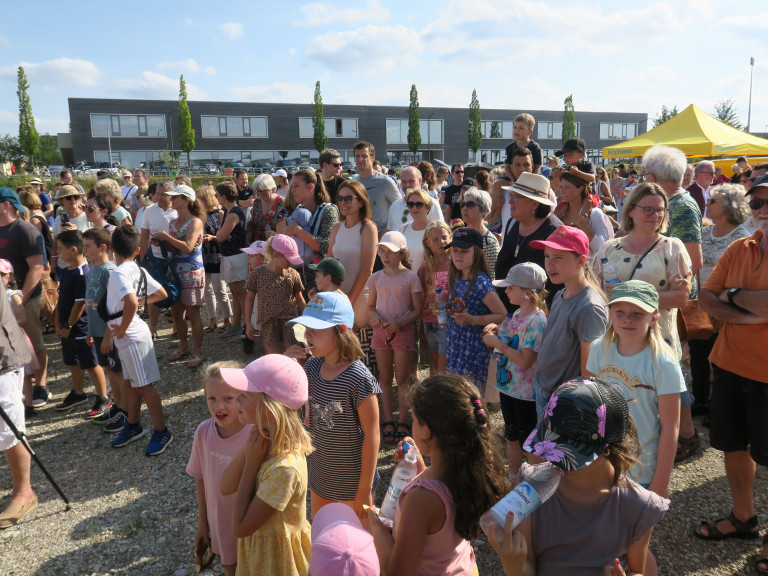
column 694, row 132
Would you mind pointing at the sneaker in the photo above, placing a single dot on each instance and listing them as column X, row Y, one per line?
column 130, row 433
column 233, row 330
column 30, row 412
column 115, row 424
column 159, row 442
column 73, row 399
column 100, row 406
column 239, row 338
column 103, row 418
column 40, row 395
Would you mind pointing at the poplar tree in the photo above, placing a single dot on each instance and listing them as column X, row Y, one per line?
column 186, row 132
column 319, row 138
column 414, row 125
column 569, row 119
column 29, row 139
column 475, row 133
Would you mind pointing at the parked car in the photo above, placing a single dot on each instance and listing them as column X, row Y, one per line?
column 262, row 168
column 288, row 166
column 235, row 165
column 348, row 166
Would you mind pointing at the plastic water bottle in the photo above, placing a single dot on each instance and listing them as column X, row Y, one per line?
column 523, row 500
column 404, row 473
column 441, row 299
column 610, row 277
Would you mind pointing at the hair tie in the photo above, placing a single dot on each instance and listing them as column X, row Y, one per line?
column 482, row 425
column 481, row 411
column 476, row 402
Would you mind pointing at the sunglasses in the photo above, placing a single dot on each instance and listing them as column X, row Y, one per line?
column 412, row 205
column 346, row 199
column 70, row 198
column 757, row 203
column 91, row 209
column 468, row 204
column 336, row 165
column 459, row 172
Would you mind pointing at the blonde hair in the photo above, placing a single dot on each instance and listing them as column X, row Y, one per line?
column 539, row 299
column 289, row 202
column 593, row 280
column 429, row 255
column 287, row 434
column 526, row 119
column 110, row 188
column 638, row 193
column 207, row 197
column 425, row 197
column 213, row 369
column 660, row 349
column 350, row 348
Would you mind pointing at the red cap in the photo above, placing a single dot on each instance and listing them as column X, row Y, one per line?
column 565, row 238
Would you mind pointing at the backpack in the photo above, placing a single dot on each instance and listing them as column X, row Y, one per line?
column 101, row 307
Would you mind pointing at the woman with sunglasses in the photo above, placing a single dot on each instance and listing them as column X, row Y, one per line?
column 419, row 203
column 98, row 211
column 475, row 206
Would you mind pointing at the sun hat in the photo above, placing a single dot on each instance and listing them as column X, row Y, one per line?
column 5, row 267
column 182, row 190
column 394, row 240
column 340, row 544
column 332, row 266
column 565, row 238
column 326, row 310
column 582, row 417
column 525, row 275
column 572, row 145
column 35, row 181
column 280, row 172
column 279, row 377
column 466, row 238
column 258, row 247
column 8, row 195
column 286, row 246
column 126, row 174
column 68, row 190
column 533, row 186
column 638, row 293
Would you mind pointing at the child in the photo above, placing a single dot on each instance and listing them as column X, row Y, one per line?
column 269, row 476
column 217, row 442
column 588, row 433
column 474, row 304
column 433, row 274
column 437, row 513
column 395, row 302
column 133, row 341
column 71, row 323
column 257, row 256
column 329, row 275
column 517, row 342
column 575, row 163
column 343, row 406
column 633, row 355
column 522, row 128
column 340, row 544
column 280, row 288
column 577, row 317
column 302, row 217
column 14, row 295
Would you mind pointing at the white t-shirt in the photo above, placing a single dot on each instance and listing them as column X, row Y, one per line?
column 415, row 247
column 82, row 224
column 399, row 210
column 123, row 281
column 126, row 193
column 155, row 219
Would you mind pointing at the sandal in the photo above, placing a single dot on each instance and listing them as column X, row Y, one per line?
column 762, row 559
column 178, row 355
column 744, row 530
column 194, row 362
column 686, row 447
column 224, row 327
column 388, row 436
column 209, row 329
column 399, row 435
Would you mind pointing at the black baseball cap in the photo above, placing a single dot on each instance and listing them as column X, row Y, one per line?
column 760, row 182
column 572, row 145
column 466, row 238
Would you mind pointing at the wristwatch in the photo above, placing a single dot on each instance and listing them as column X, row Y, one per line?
column 731, row 293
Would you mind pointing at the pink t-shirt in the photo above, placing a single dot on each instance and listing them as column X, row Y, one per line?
column 439, row 280
column 393, row 293
column 211, row 454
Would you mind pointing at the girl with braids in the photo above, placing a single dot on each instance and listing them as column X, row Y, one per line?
column 437, row 513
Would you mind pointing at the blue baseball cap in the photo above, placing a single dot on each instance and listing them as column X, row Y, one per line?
column 326, row 310
column 8, row 195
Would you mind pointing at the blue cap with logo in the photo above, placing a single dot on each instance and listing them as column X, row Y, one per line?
column 326, row 310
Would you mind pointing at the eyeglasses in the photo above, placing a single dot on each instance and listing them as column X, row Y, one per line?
column 70, row 198
column 336, row 165
column 468, row 204
column 346, row 199
column 651, row 211
column 757, row 203
column 412, row 205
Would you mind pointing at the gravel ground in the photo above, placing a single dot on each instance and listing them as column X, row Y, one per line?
column 133, row 515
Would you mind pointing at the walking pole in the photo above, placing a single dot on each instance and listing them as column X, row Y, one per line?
column 23, row 439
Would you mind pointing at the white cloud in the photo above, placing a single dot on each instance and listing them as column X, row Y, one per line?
column 188, row 65
column 189, row 22
column 233, row 29
column 277, row 92
column 58, row 72
column 151, row 85
column 210, row 70
column 323, row 14
column 4, row 41
column 367, row 50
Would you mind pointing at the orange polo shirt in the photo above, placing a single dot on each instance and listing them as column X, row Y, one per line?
column 742, row 348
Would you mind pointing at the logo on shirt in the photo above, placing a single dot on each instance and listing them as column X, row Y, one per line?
column 323, row 415
column 620, row 374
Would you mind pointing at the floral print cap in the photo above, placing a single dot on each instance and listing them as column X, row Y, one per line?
column 583, row 416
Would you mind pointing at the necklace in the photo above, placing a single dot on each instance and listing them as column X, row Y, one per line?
column 519, row 242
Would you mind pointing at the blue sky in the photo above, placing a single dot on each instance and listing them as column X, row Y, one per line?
column 516, row 53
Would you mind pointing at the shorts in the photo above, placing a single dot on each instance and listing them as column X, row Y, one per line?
column 111, row 359
column 77, row 352
column 738, row 415
column 274, row 332
column 234, row 268
column 139, row 363
column 32, row 326
column 519, row 418
column 436, row 335
column 11, row 392
column 404, row 339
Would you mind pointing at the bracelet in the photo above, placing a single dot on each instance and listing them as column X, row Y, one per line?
column 481, row 319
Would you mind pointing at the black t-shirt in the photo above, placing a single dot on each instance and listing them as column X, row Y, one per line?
column 532, row 146
column 18, row 241
column 332, row 187
column 236, row 240
column 451, row 197
column 71, row 290
column 246, row 194
column 586, row 166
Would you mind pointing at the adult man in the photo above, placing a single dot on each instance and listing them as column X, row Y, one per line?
column 736, row 293
column 127, row 188
column 382, row 192
column 142, row 182
column 65, row 177
column 757, row 171
column 521, row 161
column 687, row 176
column 665, row 166
column 330, row 162
column 452, row 193
column 245, row 195
column 22, row 245
column 703, row 175
column 45, row 200
column 398, row 213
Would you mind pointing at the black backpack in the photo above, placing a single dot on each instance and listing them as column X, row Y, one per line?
column 101, row 307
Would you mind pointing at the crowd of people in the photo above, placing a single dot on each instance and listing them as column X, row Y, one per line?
column 557, row 289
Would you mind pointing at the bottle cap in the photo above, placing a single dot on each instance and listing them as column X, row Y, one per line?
column 406, row 446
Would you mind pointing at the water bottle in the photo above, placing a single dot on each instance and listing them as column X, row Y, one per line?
column 404, row 473
column 441, row 299
column 610, row 276
column 523, row 500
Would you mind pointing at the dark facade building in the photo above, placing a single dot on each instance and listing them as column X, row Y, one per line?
column 143, row 132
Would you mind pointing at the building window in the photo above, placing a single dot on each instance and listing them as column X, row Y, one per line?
column 128, row 126
column 497, row 129
column 234, row 126
column 431, row 131
column 554, row 130
column 617, row 131
column 334, row 128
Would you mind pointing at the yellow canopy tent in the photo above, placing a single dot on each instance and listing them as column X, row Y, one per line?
column 697, row 134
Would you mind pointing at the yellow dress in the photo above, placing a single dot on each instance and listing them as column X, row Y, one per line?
column 283, row 545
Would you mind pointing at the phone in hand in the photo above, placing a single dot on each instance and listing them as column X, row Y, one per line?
column 64, row 218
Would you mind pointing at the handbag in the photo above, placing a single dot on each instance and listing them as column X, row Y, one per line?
column 50, row 294
column 693, row 323
column 166, row 275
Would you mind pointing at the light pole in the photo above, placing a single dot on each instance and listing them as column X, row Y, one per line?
column 751, row 70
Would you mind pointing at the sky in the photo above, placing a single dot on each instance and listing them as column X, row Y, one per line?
column 516, row 53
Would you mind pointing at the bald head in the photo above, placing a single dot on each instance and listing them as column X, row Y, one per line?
column 410, row 178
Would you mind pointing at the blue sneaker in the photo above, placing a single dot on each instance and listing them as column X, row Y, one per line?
column 159, row 442
column 130, row 433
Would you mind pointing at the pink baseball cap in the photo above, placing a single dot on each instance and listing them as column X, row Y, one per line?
column 394, row 240
column 5, row 267
column 340, row 544
column 258, row 247
column 279, row 377
column 286, row 246
column 565, row 238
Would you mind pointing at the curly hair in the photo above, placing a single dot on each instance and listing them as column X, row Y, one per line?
column 734, row 199
column 455, row 413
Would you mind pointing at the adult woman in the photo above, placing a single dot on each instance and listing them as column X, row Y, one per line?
column 603, row 186
column 728, row 210
column 98, row 211
column 234, row 263
column 353, row 241
column 483, row 181
column 419, row 202
column 70, row 198
column 111, row 190
column 185, row 240
column 31, row 201
column 429, row 177
column 310, row 192
column 554, row 178
column 216, row 298
column 265, row 213
column 574, row 211
column 475, row 206
column 281, row 179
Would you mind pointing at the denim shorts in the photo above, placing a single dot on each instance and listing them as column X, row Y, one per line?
column 436, row 336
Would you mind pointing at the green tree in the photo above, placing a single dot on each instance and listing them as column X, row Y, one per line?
column 319, row 138
column 49, row 151
column 495, row 129
column 10, row 151
column 29, row 140
column 666, row 114
column 569, row 119
column 186, row 133
column 725, row 112
column 414, row 126
column 475, row 132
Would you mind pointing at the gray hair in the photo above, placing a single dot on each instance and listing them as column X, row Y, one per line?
column 166, row 184
column 264, row 182
column 109, row 187
column 666, row 163
column 482, row 198
column 140, row 172
column 734, row 199
column 704, row 164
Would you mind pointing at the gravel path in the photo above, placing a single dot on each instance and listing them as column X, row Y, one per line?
column 133, row 515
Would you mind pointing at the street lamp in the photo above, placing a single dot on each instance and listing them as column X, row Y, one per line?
column 749, row 113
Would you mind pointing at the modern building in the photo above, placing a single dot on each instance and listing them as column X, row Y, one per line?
column 144, row 132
